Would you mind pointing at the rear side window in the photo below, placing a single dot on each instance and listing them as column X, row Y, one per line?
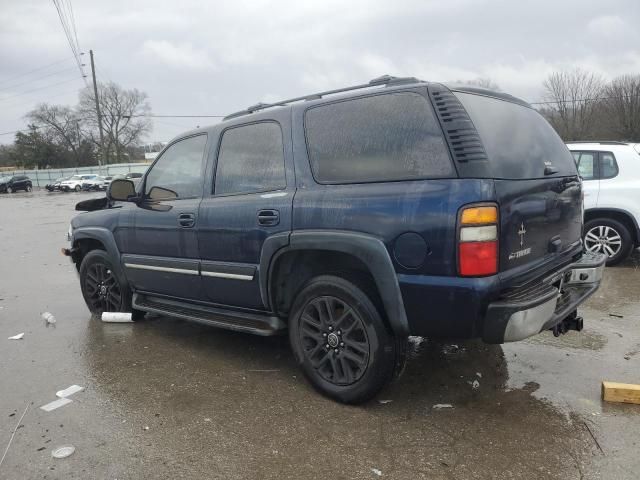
column 518, row 140
column 608, row 165
column 374, row 139
column 251, row 159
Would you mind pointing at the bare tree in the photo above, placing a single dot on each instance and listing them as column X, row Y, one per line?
column 124, row 117
column 575, row 95
column 60, row 124
column 483, row 82
column 622, row 106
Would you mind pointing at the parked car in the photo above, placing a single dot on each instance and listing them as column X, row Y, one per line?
column 611, row 174
column 55, row 186
column 94, row 184
column 351, row 218
column 75, row 182
column 13, row 183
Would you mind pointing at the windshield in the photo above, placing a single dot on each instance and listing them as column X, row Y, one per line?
column 76, row 177
column 519, row 142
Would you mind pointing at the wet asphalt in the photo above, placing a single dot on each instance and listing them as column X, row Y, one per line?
column 165, row 398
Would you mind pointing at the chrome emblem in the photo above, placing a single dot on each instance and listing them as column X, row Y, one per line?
column 521, row 232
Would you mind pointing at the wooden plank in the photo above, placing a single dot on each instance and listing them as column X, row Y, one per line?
column 621, row 392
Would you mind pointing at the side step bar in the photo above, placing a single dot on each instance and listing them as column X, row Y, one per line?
column 257, row 324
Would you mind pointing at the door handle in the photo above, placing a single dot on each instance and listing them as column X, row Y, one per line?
column 187, row 220
column 268, row 217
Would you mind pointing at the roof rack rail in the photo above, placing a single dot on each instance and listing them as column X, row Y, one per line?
column 386, row 80
column 601, row 142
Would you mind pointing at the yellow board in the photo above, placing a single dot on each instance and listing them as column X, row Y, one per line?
column 620, row 392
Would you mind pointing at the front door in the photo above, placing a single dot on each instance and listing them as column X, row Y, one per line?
column 251, row 200
column 159, row 241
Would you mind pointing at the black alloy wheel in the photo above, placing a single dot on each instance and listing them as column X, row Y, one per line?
column 340, row 340
column 334, row 340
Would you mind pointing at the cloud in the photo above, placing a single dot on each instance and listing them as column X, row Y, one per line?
column 182, row 55
column 607, row 25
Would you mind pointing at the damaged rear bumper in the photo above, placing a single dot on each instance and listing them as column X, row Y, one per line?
column 528, row 310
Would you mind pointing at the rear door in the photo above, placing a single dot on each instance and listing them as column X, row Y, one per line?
column 587, row 163
column 537, row 187
column 250, row 201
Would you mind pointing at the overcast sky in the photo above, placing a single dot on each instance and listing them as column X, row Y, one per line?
column 212, row 58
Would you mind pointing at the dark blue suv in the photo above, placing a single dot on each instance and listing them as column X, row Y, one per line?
column 352, row 218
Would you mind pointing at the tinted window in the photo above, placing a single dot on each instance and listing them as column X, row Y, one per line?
column 178, row 172
column 608, row 165
column 587, row 165
column 373, row 139
column 518, row 140
column 251, row 159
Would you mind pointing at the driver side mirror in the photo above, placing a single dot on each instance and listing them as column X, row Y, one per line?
column 121, row 190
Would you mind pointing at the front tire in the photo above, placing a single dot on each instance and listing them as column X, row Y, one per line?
column 340, row 341
column 603, row 235
column 77, row 188
column 29, row 188
column 9, row 190
column 101, row 288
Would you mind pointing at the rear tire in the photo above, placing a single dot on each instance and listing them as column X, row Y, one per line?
column 101, row 288
column 77, row 188
column 603, row 235
column 29, row 188
column 340, row 340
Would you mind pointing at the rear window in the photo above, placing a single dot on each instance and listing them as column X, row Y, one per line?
column 375, row 139
column 518, row 140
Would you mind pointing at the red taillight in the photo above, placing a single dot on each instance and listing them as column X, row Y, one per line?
column 478, row 258
column 478, row 241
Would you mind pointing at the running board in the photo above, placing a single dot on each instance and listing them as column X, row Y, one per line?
column 264, row 325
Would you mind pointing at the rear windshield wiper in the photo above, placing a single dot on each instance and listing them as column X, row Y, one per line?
column 549, row 170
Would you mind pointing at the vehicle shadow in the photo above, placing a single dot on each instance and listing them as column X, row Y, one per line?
column 243, row 397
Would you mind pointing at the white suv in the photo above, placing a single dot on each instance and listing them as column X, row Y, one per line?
column 611, row 174
column 75, row 182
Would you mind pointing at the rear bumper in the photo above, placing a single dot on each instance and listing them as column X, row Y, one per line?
column 524, row 312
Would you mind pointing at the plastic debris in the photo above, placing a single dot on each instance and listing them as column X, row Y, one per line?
column 478, row 374
column 616, row 315
column 69, row 391
column 61, row 402
column 440, row 406
column 475, row 385
column 145, row 428
column 377, row 472
column 17, row 337
column 382, row 402
column 49, row 319
column 63, row 451
column 116, row 317
column 13, row 433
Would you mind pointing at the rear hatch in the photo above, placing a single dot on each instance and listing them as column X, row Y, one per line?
column 537, row 187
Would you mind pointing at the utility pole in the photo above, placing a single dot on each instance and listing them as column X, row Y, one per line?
column 95, row 93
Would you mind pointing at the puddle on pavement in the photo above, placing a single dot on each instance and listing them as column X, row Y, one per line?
column 240, row 393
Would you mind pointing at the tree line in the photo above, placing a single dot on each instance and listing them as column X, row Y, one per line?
column 63, row 136
column 582, row 105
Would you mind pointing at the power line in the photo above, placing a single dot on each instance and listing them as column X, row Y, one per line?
column 35, row 70
column 177, row 116
column 39, row 88
column 37, row 78
column 71, row 34
column 575, row 100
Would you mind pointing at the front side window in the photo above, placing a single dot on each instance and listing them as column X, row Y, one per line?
column 375, row 139
column 178, row 172
column 586, row 163
column 251, row 159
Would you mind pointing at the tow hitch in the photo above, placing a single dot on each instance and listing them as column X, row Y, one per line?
column 572, row 322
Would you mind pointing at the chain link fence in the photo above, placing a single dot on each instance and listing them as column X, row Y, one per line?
column 40, row 178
